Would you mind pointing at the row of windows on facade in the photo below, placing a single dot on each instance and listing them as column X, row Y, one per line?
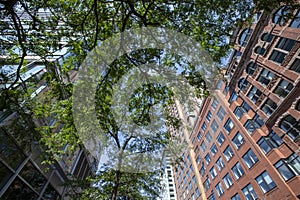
column 29, row 182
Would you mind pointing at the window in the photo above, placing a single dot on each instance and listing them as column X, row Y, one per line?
column 245, row 36
column 250, row 158
column 204, row 126
column 203, row 169
column 219, row 189
column 214, row 126
column 213, row 172
column 281, row 16
column 296, row 65
column 233, row 97
column 229, row 125
column 296, row 21
column 238, row 171
column 243, row 84
column 212, row 196
column 291, row 126
column 283, row 89
column 221, row 113
column 203, row 146
column 214, row 149
column 208, row 116
column 208, row 137
column 277, row 56
column 215, row 104
column 269, row 142
column 254, row 94
column 269, row 107
column 238, row 140
column 239, row 111
column 267, row 37
column 228, row 180
column 220, row 164
column 221, row 139
column 199, row 136
column 206, row 184
column 197, row 193
column 190, row 185
column 252, row 124
column 260, row 50
column 265, row 182
column 265, row 77
column 228, row 153
column 198, row 160
column 285, row 44
column 289, row 167
column 251, row 67
column 196, row 149
column 236, row 197
column 207, row 159
column 249, row 192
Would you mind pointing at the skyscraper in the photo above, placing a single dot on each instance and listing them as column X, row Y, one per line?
column 246, row 141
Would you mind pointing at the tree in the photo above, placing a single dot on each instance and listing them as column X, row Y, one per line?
column 52, row 25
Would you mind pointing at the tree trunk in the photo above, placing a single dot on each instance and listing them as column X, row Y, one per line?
column 118, row 177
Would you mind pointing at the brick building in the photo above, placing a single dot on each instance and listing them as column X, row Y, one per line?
column 246, row 139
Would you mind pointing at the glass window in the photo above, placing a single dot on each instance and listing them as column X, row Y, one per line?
column 249, row 192
column 10, row 153
column 208, row 137
column 238, row 140
column 190, row 185
column 206, row 184
column 238, row 112
column 228, row 153
column 254, row 94
column 252, row 124
column 207, row 158
column 219, row 189
column 198, row 160
column 296, row 21
column 215, row 104
column 209, row 116
column 33, row 176
column 228, row 125
column 238, row 171
column 228, row 180
column 5, row 174
column 199, row 136
column 19, row 190
column 277, row 56
column 221, row 139
column 204, row 126
column 269, row 142
column 260, row 50
column 285, row 44
column 203, row 169
column 265, row 77
column 236, row 197
column 198, row 192
column 243, row 84
column 296, row 65
column 220, row 164
column 289, row 167
column 250, row 158
column 214, row 126
column 214, row 149
column 265, row 182
column 251, row 67
column 221, row 114
column 213, row 172
column 269, row 107
column 291, row 126
column 245, row 36
column 233, row 97
column 283, row 89
column 267, row 37
column 212, row 196
column 281, row 16
column 203, row 146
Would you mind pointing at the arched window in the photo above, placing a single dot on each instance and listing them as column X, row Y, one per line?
column 267, row 37
column 245, row 36
column 243, row 84
column 291, row 126
column 251, row 68
column 296, row 21
column 281, row 16
column 260, row 50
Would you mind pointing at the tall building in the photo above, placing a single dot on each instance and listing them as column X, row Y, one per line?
column 246, row 138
